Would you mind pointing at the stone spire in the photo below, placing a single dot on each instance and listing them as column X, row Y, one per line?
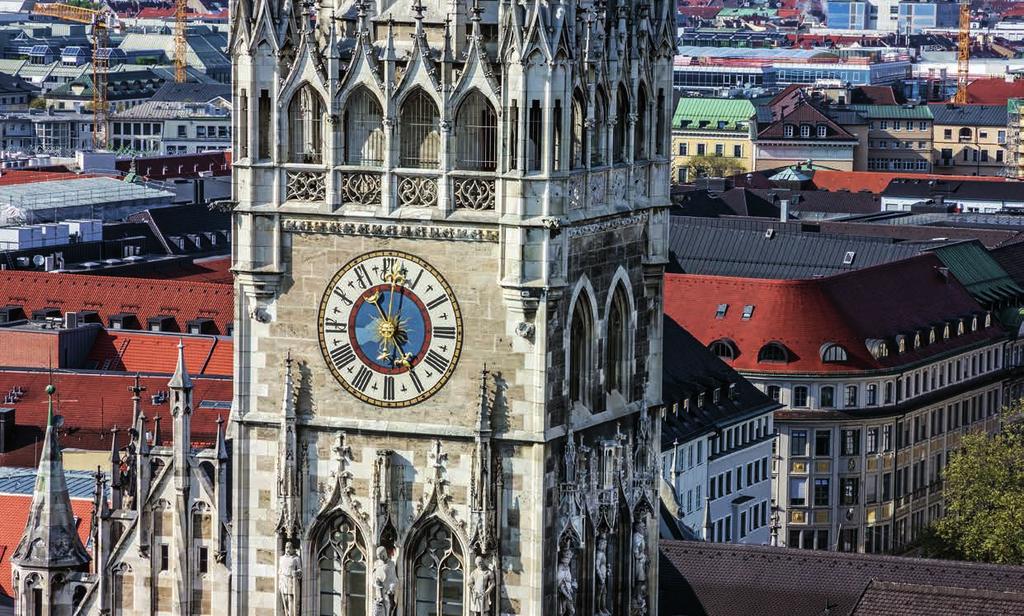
column 50, row 540
column 288, row 480
column 115, row 469
column 181, row 379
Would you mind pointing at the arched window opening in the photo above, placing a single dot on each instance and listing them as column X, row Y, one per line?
column 621, row 125
column 579, row 131
column 640, row 136
column 438, row 574
column 364, row 130
column 773, row 351
column 341, row 557
column 617, row 357
column 476, row 135
column 833, row 353
column 597, row 154
column 421, row 132
column 581, row 336
column 659, row 132
column 723, row 349
column 305, row 127
column 964, row 134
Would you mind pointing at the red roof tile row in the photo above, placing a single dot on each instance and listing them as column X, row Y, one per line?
column 157, row 353
column 12, row 526
column 94, row 403
column 877, row 181
column 848, row 309
column 12, row 177
column 110, row 295
column 994, row 90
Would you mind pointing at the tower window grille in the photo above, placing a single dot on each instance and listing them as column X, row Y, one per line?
column 536, row 136
column 476, row 135
column 600, row 125
column 421, row 132
column 659, row 133
column 305, row 123
column 640, row 128
column 364, row 132
column 263, row 121
column 579, row 133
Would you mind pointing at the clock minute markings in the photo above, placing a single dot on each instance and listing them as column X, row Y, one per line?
column 362, row 378
column 437, row 301
column 416, row 381
column 343, row 356
column 444, row 332
column 416, row 281
column 436, row 361
column 389, row 388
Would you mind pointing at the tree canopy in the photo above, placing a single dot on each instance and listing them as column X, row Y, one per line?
column 984, row 493
column 713, row 166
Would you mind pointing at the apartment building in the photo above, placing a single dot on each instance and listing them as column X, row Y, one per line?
column 969, row 139
column 180, row 119
column 715, row 127
column 899, row 137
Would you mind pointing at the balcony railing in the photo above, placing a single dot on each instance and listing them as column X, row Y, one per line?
column 473, row 193
column 361, row 188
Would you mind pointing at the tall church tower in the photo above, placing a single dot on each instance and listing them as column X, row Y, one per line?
column 450, row 232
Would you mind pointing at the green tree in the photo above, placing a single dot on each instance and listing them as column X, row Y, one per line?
column 984, row 493
column 713, row 167
column 38, row 103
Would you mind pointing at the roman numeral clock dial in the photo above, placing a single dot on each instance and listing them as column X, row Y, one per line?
column 390, row 329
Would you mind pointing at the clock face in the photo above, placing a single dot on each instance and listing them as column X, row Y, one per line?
column 390, row 329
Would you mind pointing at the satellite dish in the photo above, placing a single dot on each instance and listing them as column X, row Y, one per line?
column 38, row 260
column 58, row 421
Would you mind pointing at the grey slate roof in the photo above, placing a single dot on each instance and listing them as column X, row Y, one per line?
column 192, row 92
column 960, row 189
column 900, row 599
column 690, row 369
column 737, row 247
column 970, row 115
column 18, row 480
column 716, row 579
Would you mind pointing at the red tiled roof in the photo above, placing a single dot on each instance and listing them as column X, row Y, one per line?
column 877, row 95
column 155, row 12
column 877, row 181
column 10, row 178
column 704, row 12
column 93, row 403
column 156, row 353
column 179, row 165
column 994, row 90
column 110, row 295
column 215, row 269
column 848, row 309
column 12, row 526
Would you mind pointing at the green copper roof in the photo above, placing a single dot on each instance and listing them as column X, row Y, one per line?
column 894, row 112
column 726, row 114
column 975, row 268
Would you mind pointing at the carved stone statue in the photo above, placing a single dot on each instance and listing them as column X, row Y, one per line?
column 640, row 559
column 481, row 584
column 289, row 580
column 601, row 574
column 385, row 580
column 566, row 583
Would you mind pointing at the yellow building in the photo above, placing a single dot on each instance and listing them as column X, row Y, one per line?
column 717, row 132
column 969, row 139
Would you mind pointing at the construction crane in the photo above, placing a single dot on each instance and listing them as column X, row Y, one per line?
column 963, row 61
column 101, row 20
column 180, row 45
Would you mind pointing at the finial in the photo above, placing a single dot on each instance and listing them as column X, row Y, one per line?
column 156, row 431
column 418, row 9
column 50, row 390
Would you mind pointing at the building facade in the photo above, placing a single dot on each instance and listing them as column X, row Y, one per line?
column 899, row 137
column 719, row 128
column 171, row 127
column 805, row 134
column 457, row 406
column 969, row 139
column 875, row 399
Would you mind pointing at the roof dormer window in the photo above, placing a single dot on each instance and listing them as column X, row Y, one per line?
column 931, row 336
column 773, row 352
column 988, row 319
column 721, row 310
column 833, row 353
column 788, row 130
column 917, row 340
column 960, row 327
column 945, row 332
column 822, row 130
column 974, row 323
column 901, row 344
column 805, row 130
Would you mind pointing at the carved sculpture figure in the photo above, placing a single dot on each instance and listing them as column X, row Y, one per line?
column 601, row 574
column 566, row 583
column 289, row 579
column 385, row 579
column 640, row 567
column 481, row 584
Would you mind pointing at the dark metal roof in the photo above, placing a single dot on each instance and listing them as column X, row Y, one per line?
column 957, row 189
column 742, row 248
column 690, row 369
column 703, row 579
column 969, row 115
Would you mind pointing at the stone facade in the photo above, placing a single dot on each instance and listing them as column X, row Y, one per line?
column 536, row 188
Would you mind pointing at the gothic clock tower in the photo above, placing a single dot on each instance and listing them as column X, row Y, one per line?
column 450, row 231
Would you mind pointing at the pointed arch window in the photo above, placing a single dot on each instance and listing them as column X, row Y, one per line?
column 597, row 153
column 579, row 131
column 621, row 126
column 581, row 336
column 305, row 127
column 659, row 133
column 364, row 130
column 421, row 132
column 640, row 128
column 437, row 574
column 476, row 126
column 617, row 356
column 341, row 562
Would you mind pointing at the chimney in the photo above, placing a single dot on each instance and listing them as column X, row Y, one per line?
column 784, row 210
column 6, row 429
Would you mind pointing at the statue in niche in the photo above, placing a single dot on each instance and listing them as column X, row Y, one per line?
column 289, row 579
column 640, row 560
column 481, row 584
column 601, row 574
column 385, row 581
column 566, row 584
